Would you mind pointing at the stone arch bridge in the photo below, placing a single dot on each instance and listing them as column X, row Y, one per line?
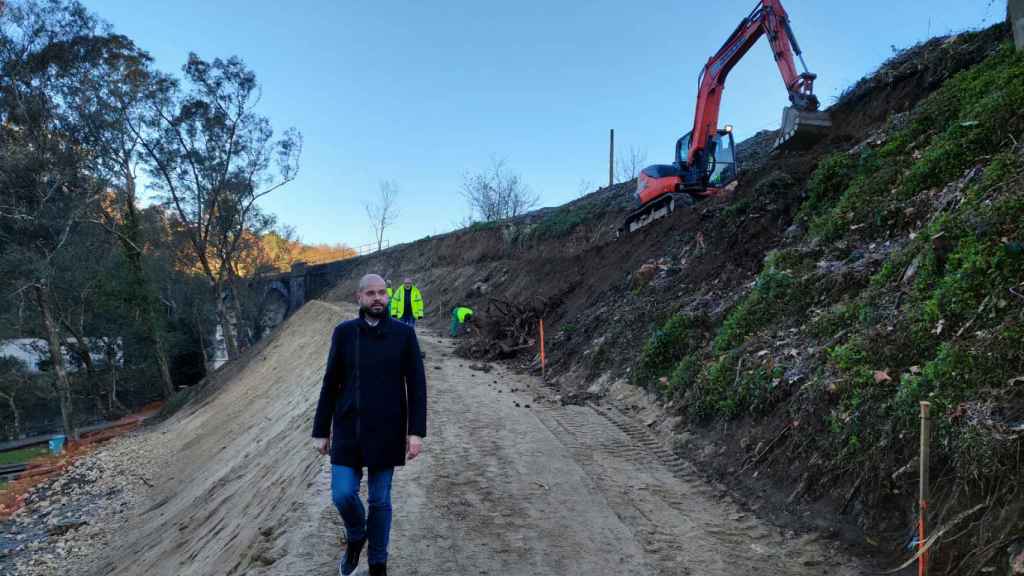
column 283, row 294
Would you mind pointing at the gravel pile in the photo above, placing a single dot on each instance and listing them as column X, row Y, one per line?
column 67, row 518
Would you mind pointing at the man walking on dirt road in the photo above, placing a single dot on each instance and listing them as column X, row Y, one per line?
column 372, row 414
column 407, row 303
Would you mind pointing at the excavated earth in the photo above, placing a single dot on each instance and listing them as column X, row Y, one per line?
column 511, row 482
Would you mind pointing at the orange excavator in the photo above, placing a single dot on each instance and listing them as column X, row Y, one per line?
column 705, row 160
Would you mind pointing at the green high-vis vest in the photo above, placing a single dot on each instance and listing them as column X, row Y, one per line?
column 461, row 312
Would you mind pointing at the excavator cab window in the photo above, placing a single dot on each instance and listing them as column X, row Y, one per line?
column 724, row 170
column 683, row 148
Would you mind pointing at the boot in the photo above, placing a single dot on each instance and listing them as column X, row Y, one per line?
column 379, row 569
column 350, row 561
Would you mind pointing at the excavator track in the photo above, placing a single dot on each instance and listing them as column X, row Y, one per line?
column 656, row 210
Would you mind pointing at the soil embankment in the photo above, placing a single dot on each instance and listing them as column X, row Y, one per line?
column 511, row 482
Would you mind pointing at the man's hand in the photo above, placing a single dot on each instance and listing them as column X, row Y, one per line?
column 322, row 445
column 413, row 446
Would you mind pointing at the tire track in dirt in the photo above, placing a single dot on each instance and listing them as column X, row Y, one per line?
column 495, row 492
column 685, row 525
column 567, row 490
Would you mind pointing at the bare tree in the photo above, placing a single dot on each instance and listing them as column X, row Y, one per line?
column 383, row 211
column 497, row 194
column 629, row 165
column 584, row 187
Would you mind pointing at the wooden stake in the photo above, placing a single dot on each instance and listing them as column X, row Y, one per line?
column 543, row 362
column 922, row 560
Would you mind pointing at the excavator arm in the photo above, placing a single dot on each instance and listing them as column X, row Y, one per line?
column 769, row 19
column 705, row 162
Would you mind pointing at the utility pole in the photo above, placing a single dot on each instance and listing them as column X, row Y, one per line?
column 611, row 157
column 1015, row 16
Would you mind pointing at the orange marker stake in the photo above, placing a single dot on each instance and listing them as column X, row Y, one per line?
column 543, row 362
column 922, row 560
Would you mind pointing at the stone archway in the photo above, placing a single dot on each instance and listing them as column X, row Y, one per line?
column 274, row 307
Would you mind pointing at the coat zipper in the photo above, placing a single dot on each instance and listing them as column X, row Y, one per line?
column 358, row 409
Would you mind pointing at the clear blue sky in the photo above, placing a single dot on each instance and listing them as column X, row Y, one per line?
column 421, row 92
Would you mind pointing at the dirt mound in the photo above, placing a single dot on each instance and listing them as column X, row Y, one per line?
column 908, row 76
column 755, row 151
column 232, row 500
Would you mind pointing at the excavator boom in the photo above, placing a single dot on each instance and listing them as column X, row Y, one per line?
column 768, row 19
column 701, row 156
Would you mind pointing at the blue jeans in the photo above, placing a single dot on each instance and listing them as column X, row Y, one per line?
column 377, row 527
column 410, row 320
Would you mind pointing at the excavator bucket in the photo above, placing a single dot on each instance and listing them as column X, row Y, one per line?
column 802, row 129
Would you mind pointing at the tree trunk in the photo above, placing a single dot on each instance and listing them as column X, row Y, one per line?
column 165, row 365
column 14, row 410
column 115, row 404
column 224, row 317
column 113, row 391
column 131, row 243
column 78, row 346
column 96, row 391
column 67, row 409
column 242, row 335
column 202, row 341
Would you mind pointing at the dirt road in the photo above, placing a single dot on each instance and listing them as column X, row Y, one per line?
column 507, row 485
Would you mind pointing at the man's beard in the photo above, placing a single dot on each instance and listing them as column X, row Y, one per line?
column 376, row 314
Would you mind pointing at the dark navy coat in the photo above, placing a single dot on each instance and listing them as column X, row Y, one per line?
column 372, row 404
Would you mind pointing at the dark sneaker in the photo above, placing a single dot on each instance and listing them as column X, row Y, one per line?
column 379, row 569
column 350, row 561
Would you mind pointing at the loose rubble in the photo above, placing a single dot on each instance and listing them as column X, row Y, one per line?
column 68, row 517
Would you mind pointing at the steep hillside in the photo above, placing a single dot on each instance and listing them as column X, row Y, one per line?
column 793, row 326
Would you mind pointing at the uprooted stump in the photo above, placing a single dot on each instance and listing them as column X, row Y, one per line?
column 504, row 329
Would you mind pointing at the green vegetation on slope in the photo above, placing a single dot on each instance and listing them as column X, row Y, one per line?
column 966, row 258
column 939, row 318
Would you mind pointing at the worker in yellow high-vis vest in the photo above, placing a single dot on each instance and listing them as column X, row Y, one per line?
column 407, row 303
column 460, row 315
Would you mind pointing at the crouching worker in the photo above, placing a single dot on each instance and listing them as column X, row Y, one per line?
column 372, row 414
column 460, row 316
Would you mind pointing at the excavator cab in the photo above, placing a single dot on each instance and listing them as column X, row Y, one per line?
column 722, row 165
column 662, row 188
column 715, row 165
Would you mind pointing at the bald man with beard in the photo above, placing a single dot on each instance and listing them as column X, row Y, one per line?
column 372, row 414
